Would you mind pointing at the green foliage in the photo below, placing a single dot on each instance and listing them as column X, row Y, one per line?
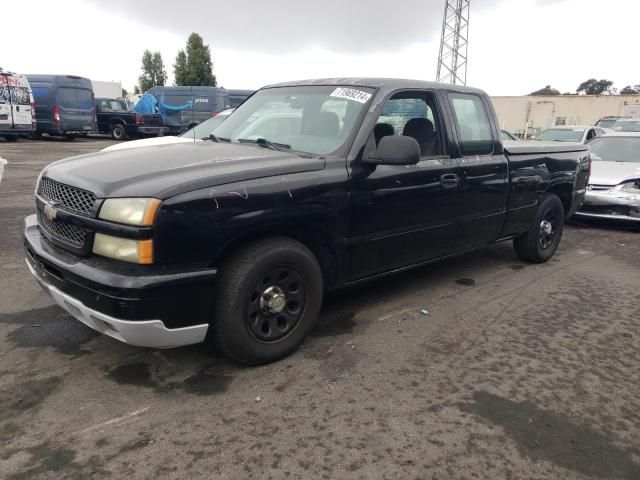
column 180, row 68
column 153, row 71
column 194, row 66
column 629, row 90
column 546, row 91
column 136, row 90
column 595, row 87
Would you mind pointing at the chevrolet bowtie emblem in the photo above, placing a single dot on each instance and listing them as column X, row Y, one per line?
column 50, row 212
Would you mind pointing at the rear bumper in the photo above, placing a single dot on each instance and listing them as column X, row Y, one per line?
column 140, row 306
column 153, row 130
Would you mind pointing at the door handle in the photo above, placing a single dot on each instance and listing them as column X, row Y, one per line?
column 449, row 180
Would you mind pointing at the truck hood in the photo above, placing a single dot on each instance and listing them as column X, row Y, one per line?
column 166, row 170
column 613, row 173
column 148, row 142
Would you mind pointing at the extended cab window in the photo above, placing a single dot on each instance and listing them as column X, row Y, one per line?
column 473, row 124
column 412, row 114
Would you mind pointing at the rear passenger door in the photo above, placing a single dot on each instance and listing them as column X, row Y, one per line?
column 484, row 172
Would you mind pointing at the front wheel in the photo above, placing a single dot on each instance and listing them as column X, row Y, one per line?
column 11, row 138
column 541, row 241
column 269, row 296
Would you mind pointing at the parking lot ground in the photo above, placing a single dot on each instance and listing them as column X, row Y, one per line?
column 479, row 367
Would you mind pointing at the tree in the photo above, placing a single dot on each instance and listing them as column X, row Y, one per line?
column 153, row 71
column 595, row 87
column 629, row 90
column 124, row 92
column 180, row 68
column 546, row 91
column 194, row 67
column 136, row 90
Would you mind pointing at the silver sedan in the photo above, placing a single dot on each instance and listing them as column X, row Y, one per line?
column 613, row 192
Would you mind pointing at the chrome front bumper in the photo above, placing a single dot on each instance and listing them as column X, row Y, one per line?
column 144, row 333
column 606, row 206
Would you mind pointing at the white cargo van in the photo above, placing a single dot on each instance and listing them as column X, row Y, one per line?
column 17, row 109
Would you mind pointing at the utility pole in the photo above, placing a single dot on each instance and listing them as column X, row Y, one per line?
column 454, row 44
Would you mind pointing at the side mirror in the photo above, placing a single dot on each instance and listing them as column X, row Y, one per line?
column 395, row 150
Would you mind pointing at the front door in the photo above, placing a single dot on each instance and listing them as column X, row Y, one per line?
column 403, row 215
column 6, row 118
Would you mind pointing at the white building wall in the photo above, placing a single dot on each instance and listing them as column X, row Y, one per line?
column 107, row 89
column 514, row 113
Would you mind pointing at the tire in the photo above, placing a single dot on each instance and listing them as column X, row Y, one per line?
column 11, row 138
column 118, row 132
column 268, row 299
column 540, row 243
column 69, row 138
column 36, row 136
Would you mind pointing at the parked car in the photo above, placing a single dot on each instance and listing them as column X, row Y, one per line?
column 626, row 125
column 65, row 105
column 115, row 118
column 571, row 133
column 198, row 133
column 508, row 136
column 236, row 97
column 236, row 240
column 184, row 107
column 613, row 192
column 607, row 122
column 17, row 112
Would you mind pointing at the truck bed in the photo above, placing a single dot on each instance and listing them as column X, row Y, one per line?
column 533, row 147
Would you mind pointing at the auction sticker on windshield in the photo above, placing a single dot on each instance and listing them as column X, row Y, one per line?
column 351, row 94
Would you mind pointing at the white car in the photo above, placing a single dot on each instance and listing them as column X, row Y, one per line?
column 197, row 134
column 571, row 133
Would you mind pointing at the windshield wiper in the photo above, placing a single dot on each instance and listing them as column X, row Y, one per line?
column 263, row 142
column 280, row 147
column 213, row 138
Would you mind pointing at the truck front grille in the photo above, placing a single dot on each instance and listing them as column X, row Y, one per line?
column 63, row 232
column 66, row 196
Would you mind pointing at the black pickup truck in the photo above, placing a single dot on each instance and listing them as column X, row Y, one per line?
column 307, row 187
column 115, row 118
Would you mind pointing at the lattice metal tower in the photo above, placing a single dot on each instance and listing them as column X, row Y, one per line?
column 452, row 62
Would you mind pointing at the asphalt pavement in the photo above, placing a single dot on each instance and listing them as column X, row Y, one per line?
column 481, row 367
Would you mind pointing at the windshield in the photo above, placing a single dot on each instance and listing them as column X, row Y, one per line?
column 561, row 135
column 605, row 123
column 615, row 149
column 626, row 126
column 312, row 119
column 204, row 129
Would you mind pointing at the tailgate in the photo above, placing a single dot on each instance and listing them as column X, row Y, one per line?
column 151, row 119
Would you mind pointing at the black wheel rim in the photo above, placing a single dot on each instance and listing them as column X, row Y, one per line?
column 275, row 304
column 548, row 230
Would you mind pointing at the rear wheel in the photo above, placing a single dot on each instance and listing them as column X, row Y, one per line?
column 11, row 138
column 36, row 136
column 268, row 299
column 541, row 241
column 70, row 138
column 118, row 132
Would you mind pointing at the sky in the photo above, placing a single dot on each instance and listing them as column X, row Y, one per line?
column 516, row 46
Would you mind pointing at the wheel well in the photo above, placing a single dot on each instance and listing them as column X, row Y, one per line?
column 565, row 193
column 318, row 243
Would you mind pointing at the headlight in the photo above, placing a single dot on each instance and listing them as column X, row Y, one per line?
column 139, row 212
column 628, row 191
column 125, row 249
